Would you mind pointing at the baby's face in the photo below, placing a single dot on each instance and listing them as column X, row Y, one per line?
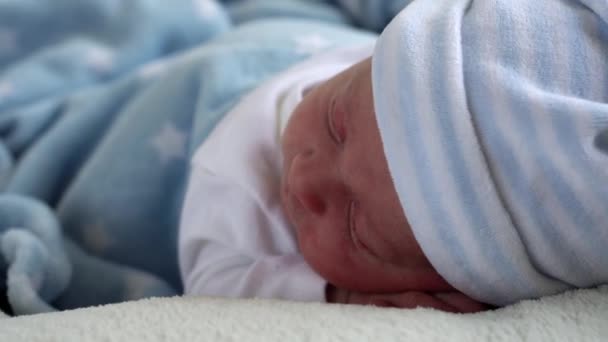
column 338, row 193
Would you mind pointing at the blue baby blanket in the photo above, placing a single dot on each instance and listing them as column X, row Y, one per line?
column 99, row 115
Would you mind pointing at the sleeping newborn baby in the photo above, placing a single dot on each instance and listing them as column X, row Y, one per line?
column 338, row 193
column 462, row 160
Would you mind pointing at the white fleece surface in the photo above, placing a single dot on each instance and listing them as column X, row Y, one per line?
column 575, row 316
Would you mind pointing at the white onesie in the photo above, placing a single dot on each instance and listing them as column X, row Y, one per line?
column 234, row 239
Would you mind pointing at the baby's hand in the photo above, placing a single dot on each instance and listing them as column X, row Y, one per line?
column 446, row 301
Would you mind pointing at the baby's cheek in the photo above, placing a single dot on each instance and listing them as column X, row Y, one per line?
column 330, row 255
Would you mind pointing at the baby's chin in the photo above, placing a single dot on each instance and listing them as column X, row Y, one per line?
column 343, row 265
column 337, row 263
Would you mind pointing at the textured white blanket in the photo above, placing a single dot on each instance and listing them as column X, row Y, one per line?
column 574, row 316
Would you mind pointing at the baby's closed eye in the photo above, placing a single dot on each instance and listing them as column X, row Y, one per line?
column 335, row 122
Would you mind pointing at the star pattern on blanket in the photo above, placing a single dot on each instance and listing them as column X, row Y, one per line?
column 169, row 143
column 6, row 89
column 96, row 236
column 311, row 43
column 101, row 60
column 8, row 41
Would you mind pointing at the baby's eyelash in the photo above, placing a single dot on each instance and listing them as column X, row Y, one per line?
column 351, row 223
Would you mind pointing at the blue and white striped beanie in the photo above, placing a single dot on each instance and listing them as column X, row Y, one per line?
column 494, row 120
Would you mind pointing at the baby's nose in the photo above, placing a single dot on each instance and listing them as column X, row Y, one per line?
column 311, row 201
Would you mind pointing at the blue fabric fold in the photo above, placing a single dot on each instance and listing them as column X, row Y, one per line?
column 493, row 115
column 95, row 141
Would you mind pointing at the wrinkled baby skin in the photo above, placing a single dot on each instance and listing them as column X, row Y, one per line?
column 338, row 193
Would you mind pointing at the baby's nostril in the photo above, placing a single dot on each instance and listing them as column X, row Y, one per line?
column 312, row 202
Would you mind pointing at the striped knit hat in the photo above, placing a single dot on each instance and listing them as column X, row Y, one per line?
column 494, row 120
